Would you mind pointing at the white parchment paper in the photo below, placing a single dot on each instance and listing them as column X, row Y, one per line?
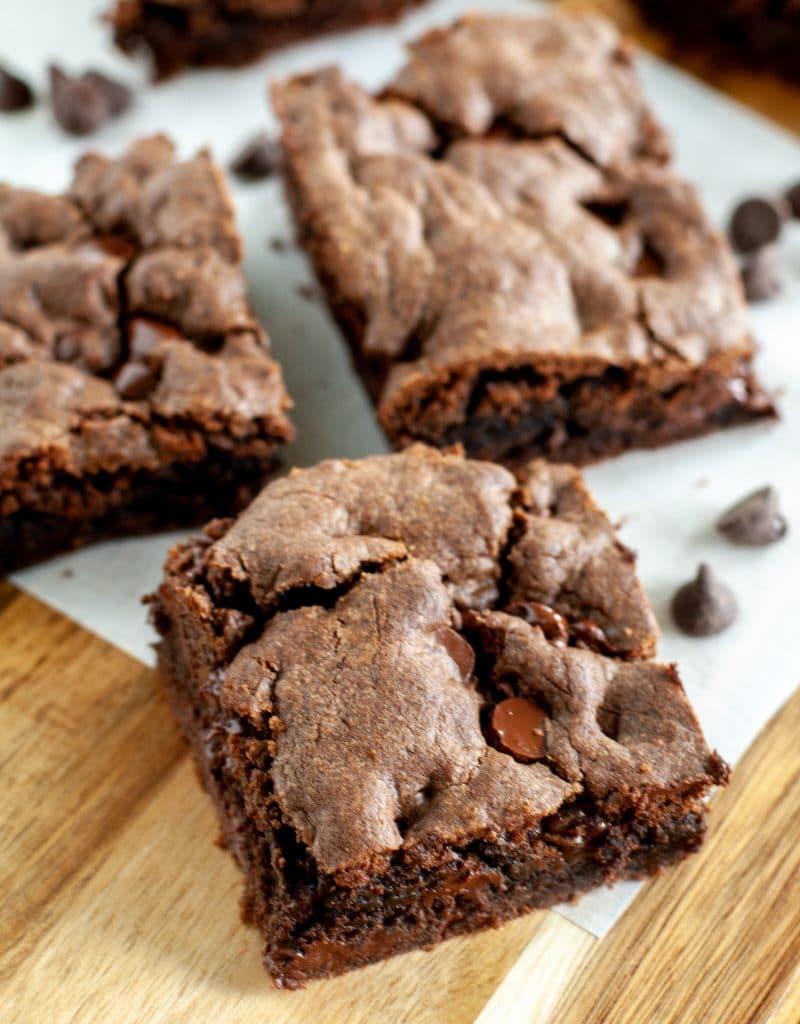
column 668, row 500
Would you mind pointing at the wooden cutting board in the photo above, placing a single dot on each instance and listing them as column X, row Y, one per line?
column 116, row 906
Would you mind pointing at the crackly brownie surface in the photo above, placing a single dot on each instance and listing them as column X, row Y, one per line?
column 136, row 385
column 513, row 263
column 356, row 660
column 760, row 33
column 178, row 33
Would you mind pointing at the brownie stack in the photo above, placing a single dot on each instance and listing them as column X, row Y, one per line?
column 515, row 265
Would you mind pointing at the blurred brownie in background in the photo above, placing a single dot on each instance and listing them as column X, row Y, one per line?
column 178, row 33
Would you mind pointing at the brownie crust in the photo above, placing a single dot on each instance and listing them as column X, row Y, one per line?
column 229, row 33
column 334, row 658
column 511, row 258
column 137, row 388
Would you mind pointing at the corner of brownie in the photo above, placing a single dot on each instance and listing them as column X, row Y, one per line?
column 137, row 389
column 420, row 693
column 510, row 255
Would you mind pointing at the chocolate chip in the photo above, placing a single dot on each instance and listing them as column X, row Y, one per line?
column 146, row 336
column 134, row 381
column 552, row 624
column 792, row 197
column 458, row 649
column 756, row 519
column 704, row 606
column 80, row 107
column 15, row 94
column 761, row 275
column 259, row 158
column 587, row 634
column 516, row 727
column 754, row 224
column 118, row 96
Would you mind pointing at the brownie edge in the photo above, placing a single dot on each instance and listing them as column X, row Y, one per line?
column 340, row 659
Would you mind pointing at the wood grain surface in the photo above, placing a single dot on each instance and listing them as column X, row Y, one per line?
column 116, row 906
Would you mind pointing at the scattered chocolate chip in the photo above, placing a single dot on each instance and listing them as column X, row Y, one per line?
column 704, row 606
column 118, row 96
column 754, row 224
column 134, row 381
column 78, row 106
column 259, row 158
column 458, row 649
column 516, row 727
column 792, row 197
column 145, row 337
column 15, row 94
column 761, row 275
column 756, row 519
column 587, row 634
column 552, row 624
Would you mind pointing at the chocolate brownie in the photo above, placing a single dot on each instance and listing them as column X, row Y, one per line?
column 178, row 33
column 508, row 252
column 420, row 693
column 763, row 34
column 137, row 390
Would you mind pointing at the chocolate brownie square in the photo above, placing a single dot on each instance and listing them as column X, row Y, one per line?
column 178, row 33
column 514, row 263
column 137, row 390
column 420, row 692
column 763, row 34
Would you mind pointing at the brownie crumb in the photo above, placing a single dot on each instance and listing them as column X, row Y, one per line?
column 15, row 93
column 755, row 520
column 258, row 159
column 705, row 606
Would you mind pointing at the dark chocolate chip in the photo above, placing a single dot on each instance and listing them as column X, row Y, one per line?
column 586, row 633
column 145, row 337
column 259, row 158
column 458, row 649
column 118, row 96
column 792, row 197
column 15, row 94
column 80, row 107
column 552, row 624
column 761, row 275
column 755, row 519
column 754, row 224
column 517, row 728
column 134, row 381
column 704, row 606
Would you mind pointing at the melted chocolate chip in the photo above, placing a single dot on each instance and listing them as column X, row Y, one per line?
column 259, row 158
column 754, row 224
column 79, row 107
column 118, row 96
column 704, row 606
column 516, row 727
column 15, row 93
column 754, row 520
column 145, row 337
column 552, row 624
column 458, row 649
column 587, row 634
column 761, row 275
column 134, row 381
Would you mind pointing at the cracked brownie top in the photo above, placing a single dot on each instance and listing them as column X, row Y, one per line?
column 505, row 201
column 365, row 620
column 126, row 338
